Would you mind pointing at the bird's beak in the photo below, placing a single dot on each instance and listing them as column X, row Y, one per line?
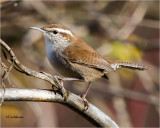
column 38, row 28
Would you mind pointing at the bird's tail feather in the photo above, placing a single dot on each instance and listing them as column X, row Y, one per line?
column 115, row 64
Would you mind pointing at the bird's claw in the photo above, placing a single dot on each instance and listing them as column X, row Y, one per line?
column 59, row 81
column 57, row 90
column 86, row 105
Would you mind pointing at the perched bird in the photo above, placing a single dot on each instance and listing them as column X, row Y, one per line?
column 76, row 60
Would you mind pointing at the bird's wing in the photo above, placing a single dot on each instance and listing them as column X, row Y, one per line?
column 83, row 54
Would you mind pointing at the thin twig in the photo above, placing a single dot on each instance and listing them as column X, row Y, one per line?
column 126, row 93
column 9, row 3
column 2, row 80
column 136, row 18
column 24, row 69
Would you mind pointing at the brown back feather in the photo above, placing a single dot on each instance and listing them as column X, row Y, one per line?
column 81, row 53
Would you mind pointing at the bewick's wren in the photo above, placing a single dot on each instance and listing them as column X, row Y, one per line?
column 76, row 60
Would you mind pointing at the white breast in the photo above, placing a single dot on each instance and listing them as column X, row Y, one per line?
column 58, row 62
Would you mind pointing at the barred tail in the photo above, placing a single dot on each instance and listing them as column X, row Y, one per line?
column 115, row 64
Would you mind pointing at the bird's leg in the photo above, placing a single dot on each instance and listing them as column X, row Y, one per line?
column 84, row 96
column 61, row 81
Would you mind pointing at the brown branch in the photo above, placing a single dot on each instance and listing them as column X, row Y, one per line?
column 136, row 18
column 126, row 93
column 9, row 3
column 74, row 102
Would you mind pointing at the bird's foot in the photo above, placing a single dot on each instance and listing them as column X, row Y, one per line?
column 59, row 80
column 86, row 105
column 57, row 90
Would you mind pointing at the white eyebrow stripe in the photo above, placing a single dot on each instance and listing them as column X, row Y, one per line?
column 62, row 30
column 65, row 31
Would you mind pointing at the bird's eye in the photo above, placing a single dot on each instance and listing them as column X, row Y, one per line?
column 55, row 31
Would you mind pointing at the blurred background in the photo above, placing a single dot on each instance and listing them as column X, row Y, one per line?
column 123, row 30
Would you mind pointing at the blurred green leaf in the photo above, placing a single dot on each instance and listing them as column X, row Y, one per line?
column 125, row 51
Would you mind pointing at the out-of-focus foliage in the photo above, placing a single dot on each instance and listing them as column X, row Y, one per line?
column 124, row 30
column 127, row 52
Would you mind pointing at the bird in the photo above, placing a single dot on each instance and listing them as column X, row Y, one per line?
column 75, row 60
